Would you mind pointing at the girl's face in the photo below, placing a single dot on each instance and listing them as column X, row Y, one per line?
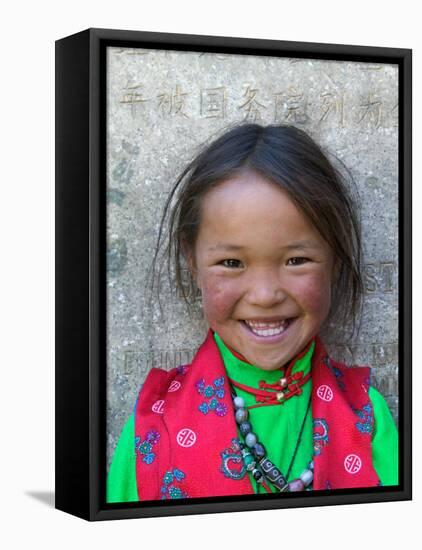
column 264, row 271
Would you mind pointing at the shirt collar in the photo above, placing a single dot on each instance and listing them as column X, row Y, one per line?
column 246, row 373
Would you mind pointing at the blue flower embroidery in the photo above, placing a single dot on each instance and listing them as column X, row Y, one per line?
column 169, row 488
column 203, row 407
column 212, row 392
column 178, row 474
column 366, row 425
column 144, row 448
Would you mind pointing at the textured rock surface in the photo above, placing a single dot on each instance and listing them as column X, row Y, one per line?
column 161, row 106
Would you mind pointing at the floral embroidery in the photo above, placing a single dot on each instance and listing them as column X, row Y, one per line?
column 320, row 435
column 145, row 447
column 234, row 455
column 169, row 488
column 366, row 425
column 212, row 392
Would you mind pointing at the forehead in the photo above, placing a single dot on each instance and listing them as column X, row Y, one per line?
column 252, row 208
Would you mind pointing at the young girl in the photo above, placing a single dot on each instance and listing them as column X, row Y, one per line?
column 270, row 234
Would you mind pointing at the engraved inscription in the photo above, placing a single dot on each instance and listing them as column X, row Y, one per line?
column 133, row 96
column 371, row 110
column 140, row 362
column 131, row 363
column 332, row 107
column 213, row 102
column 379, row 277
column 288, row 106
column 171, row 104
column 291, row 106
column 251, row 106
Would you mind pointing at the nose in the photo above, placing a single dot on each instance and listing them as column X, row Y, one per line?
column 266, row 288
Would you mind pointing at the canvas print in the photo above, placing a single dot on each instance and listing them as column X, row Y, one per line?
column 252, row 275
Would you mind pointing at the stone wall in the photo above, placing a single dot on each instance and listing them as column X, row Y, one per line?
column 161, row 106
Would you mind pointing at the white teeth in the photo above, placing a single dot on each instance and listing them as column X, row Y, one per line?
column 267, row 329
column 257, row 324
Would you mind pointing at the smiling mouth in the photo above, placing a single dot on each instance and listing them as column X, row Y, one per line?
column 266, row 328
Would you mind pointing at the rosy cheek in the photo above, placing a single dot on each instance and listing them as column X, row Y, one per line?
column 314, row 294
column 218, row 298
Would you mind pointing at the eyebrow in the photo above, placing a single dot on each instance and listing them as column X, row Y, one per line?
column 304, row 245
column 228, row 247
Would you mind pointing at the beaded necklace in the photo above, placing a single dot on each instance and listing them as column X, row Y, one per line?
column 255, row 457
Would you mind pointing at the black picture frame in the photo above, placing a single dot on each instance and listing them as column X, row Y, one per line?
column 80, row 271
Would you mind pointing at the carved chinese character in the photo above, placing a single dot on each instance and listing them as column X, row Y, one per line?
column 252, row 107
column 171, row 104
column 332, row 105
column 371, row 111
column 291, row 106
column 213, row 102
column 133, row 96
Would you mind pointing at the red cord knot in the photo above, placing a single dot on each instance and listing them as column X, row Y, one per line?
column 263, row 385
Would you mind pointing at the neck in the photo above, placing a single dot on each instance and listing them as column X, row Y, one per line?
column 298, row 356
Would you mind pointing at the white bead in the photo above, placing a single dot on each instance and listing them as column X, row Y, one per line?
column 251, row 439
column 241, row 415
column 306, row 476
column 239, row 402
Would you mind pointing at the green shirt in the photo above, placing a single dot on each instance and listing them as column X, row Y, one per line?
column 278, row 428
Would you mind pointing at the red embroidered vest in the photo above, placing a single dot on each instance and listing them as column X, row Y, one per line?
column 180, row 450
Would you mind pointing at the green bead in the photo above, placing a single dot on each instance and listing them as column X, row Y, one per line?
column 249, row 459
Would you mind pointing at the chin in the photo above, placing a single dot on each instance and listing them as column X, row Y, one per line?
column 270, row 366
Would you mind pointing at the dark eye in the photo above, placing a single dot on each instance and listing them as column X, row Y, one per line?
column 231, row 263
column 297, row 261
